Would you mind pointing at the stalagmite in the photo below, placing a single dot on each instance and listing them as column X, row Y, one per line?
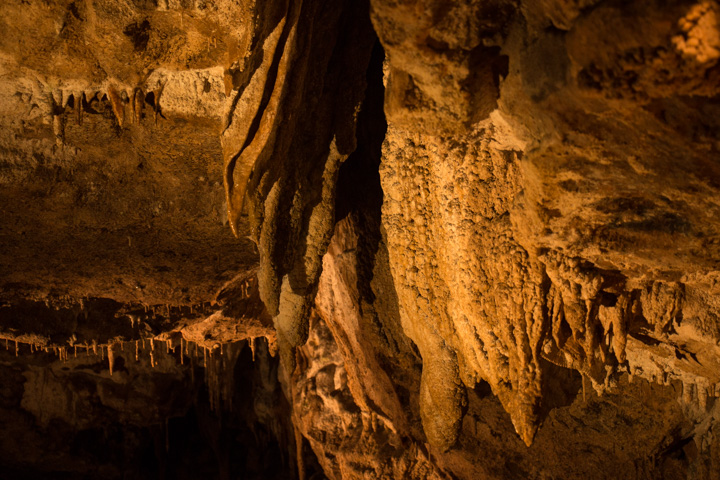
column 17, row 348
column 94, row 347
column 75, row 353
column 152, row 359
column 298, row 451
column 137, row 350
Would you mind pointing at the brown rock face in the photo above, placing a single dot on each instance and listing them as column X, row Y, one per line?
column 482, row 236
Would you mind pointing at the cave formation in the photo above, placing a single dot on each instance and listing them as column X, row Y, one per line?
column 307, row 239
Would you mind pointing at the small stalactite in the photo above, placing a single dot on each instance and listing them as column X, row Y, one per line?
column 111, row 357
column 157, row 93
column 138, row 104
column 58, row 120
column 79, row 98
column 192, row 365
column 117, row 103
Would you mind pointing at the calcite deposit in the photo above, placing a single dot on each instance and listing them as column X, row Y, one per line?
column 349, row 239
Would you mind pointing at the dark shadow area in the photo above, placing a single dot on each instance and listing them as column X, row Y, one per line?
column 252, row 440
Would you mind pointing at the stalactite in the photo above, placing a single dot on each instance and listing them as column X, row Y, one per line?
column 79, row 107
column 118, row 106
column 138, row 102
column 58, row 122
column 17, row 348
column 192, row 369
column 59, row 129
column 111, row 358
column 156, row 107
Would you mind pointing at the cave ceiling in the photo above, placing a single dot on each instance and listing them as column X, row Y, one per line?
column 360, row 239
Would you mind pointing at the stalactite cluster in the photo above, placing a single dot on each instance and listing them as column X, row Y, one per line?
column 480, row 236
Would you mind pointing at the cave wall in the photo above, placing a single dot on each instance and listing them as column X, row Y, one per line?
column 472, row 239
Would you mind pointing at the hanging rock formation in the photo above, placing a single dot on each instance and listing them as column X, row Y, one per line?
column 360, row 239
